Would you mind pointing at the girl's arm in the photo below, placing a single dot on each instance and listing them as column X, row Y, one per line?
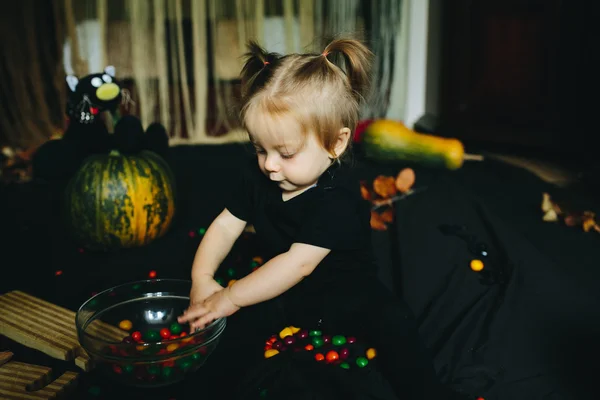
column 216, row 244
column 277, row 275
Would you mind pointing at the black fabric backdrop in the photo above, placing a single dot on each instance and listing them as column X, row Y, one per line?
column 535, row 336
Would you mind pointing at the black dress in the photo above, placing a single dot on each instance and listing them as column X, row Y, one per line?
column 343, row 293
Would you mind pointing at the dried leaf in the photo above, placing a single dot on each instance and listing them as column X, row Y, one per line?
column 550, row 216
column 385, row 186
column 588, row 224
column 547, row 204
column 387, row 216
column 405, row 180
column 572, row 220
column 588, row 221
column 377, row 223
column 364, row 191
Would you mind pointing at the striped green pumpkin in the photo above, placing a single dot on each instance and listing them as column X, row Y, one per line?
column 120, row 201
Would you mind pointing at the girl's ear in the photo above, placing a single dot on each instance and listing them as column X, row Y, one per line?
column 342, row 141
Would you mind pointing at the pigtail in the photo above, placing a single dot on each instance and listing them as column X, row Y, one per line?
column 257, row 69
column 358, row 61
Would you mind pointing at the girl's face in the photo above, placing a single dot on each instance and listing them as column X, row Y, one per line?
column 291, row 159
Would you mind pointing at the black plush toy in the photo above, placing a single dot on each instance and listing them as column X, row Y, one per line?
column 87, row 134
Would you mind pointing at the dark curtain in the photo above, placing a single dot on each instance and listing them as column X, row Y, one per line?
column 32, row 85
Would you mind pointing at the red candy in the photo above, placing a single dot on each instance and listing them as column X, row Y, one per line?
column 303, row 334
column 344, row 353
column 165, row 333
column 137, row 336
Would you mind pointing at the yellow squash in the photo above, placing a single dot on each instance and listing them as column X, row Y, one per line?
column 392, row 141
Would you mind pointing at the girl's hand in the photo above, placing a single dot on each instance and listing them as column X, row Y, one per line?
column 202, row 288
column 218, row 305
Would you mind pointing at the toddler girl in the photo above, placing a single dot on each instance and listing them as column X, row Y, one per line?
column 300, row 111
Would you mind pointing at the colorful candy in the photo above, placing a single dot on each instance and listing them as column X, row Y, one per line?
column 303, row 340
column 125, row 325
column 332, row 356
column 271, row 352
column 165, row 333
column 338, row 340
column 371, row 353
column 476, row 265
column 175, row 328
column 362, row 362
column 152, row 336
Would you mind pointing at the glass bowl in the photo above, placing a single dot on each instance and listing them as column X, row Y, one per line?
column 131, row 333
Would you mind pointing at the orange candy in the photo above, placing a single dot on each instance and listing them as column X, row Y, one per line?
column 371, row 353
column 332, row 356
column 172, row 347
column 319, row 357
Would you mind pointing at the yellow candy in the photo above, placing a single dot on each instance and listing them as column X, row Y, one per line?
column 476, row 265
column 140, row 347
column 172, row 347
column 231, row 282
column 125, row 324
column 294, row 329
column 371, row 353
column 271, row 352
column 285, row 332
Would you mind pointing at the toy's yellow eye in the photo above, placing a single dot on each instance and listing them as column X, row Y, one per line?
column 97, row 82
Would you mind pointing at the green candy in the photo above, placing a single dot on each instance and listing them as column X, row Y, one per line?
column 317, row 341
column 254, row 264
column 196, row 356
column 345, row 365
column 202, row 231
column 315, row 333
column 263, row 393
column 93, row 303
column 128, row 368
column 338, row 340
column 185, row 365
column 175, row 328
column 362, row 362
column 219, row 281
column 153, row 370
column 136, row 286
column 167, row 372
column 231, row 272
column 152, row 336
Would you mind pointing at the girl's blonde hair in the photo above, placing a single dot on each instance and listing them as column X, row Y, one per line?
column 320, row 95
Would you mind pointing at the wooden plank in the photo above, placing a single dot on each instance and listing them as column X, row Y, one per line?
column 22, row 381
column 49, row 328
column 5, row 357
